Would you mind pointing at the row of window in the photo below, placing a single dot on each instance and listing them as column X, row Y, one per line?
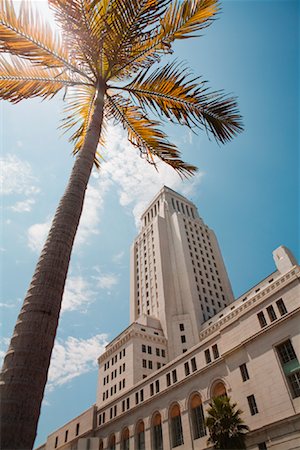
column 152, row 213
column 197, row 423
column 114, row 359
column 182, row 208
column 67, row 435
column 113, row 389
column 114, row 374
column 272, row 313
column 158, row 351
column 215, row 352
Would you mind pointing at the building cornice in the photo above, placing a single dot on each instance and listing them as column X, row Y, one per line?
column 271, row 289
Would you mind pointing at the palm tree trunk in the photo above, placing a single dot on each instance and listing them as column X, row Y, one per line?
column 24, row 373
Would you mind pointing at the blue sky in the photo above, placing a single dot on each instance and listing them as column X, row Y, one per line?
column 247, row 191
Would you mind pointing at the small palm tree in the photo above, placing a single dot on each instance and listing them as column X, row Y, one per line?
column 226, row 428
column 101, row 60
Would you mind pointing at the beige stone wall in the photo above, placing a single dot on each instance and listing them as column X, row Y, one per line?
column 66, row 436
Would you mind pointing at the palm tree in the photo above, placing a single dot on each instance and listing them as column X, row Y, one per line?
column 101, row 59
column 226, row 428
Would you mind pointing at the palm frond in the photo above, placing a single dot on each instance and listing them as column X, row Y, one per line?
column 174, row 93
column 145, row 135
column 79, row 109
column 28, row 36
column 19, row 80
column 183, row 18
column 125, row 28
column 75, row 18
column 180, row 21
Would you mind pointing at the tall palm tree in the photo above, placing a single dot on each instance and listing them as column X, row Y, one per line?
column 101, row 60
column 226, row 428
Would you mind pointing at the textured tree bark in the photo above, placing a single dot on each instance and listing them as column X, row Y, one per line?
column 24, row 372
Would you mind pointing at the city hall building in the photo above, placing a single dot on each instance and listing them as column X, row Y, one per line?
column 190, row 340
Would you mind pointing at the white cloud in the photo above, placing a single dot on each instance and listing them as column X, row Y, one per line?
column 136, row 180
column 7, row 305
column 16, row 176
column 105, row 280
column 91, row 214
column 23, row 206
column 74, row 357
column 89, row 222
column 4, row 343
column 37, row 235
column 78, row 294
column 118, row 257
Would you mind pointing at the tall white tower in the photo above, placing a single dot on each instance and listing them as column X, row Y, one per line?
column 177, row 271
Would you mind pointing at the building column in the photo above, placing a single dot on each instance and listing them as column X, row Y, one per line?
column 186, row 430
column 147, row 438
column 166, row 434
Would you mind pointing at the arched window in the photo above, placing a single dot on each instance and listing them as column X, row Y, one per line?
column 125, row 439
column 197, row 417
column 157, row 437
column 176, row 426
column 140, row 436
column 112, row 442
column 218, row 390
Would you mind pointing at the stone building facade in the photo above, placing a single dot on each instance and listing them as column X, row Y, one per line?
column 189, row 341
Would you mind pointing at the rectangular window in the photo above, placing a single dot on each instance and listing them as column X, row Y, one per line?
column 143, row 348
column 181, row 327
column 207, row 356
column 215, row 351
column 110, row 413
column 136, row 398
column 252, row 405
column 157, row 352
column 281, row 307
column 286, row 352
column 144, row 363
column 123, row 405
column 56, row 442
column 271, row 313
column 262, row 446
column 176, row 429
column 174, row 376
column 150, row 365
column 149, row 350
column 244, row 372
column 115, row 410
column 157, row 386
column 186, row 369
column 151, row 389
column 142, row 395
column 163, row 353
column 127, row 403
column 261, row 319
column 158, row 365
column 183, row 339
column 168, row 378
column 103, row 419
column 294, row 382
column 194, row 364
column 77, row 428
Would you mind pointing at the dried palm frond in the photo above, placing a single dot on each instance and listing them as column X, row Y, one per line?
column 180, row 21
column 28, row 36
column 19, row 79
column 145, row 135
column 173, row 92
column 79, row 110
